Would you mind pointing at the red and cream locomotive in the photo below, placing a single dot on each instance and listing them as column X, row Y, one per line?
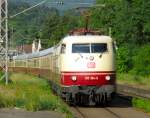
column 81, row 68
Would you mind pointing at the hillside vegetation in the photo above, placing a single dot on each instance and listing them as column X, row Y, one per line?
column 24, row 28
column 129, row 22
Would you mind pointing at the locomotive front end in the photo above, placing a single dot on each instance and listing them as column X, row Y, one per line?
column 88, row 69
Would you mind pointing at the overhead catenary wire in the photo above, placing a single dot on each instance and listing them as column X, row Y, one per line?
column 59, row 3
column 28, row 9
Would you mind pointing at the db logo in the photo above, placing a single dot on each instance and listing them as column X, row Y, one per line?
column 91, row 65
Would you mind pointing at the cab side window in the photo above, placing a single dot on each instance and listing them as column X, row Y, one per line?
column 115, row 48
column 63, row 49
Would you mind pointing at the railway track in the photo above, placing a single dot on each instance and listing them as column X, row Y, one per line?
column 119, row 108
column 83, row 112
column 95, row 112
column 132, row 91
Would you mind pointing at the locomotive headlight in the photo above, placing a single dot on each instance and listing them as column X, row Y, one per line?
column 74, row 78
column 107, row 77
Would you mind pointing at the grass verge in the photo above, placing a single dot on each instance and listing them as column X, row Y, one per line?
column 143, row 104
column 30, row 93
column 1, row 74
column 134, row 80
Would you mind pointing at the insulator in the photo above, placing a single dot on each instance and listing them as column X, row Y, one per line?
column 60, row 3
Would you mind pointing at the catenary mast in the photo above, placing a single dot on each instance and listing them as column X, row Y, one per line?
column 4, row 38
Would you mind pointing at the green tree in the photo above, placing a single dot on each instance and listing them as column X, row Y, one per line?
column 124, row 62
column 141, row 61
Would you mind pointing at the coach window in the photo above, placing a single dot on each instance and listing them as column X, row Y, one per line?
column 63, row 48
column 98, row 47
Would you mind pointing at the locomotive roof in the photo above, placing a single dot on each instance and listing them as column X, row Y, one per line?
column 87, row 38
column 70, row 39
column 35, row 54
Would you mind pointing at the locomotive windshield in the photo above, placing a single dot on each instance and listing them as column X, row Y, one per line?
column 98, row 47
column 81, row 48
column 89, row 48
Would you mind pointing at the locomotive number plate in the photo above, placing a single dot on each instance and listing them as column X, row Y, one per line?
column 91, row 65
column 91, row 78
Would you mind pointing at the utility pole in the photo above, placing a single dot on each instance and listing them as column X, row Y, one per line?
column 4, row 39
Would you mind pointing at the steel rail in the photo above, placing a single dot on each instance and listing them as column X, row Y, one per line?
column 133, row 91
column 80, row 113
column 113, row 113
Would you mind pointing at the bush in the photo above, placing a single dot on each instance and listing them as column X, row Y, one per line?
column 123, row 59
column 141, row 61
column 141, row 104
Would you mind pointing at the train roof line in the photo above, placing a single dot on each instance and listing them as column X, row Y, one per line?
column 35, row 54
column 83, row 31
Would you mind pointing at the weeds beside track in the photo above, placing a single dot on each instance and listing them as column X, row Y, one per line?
column 30, row 93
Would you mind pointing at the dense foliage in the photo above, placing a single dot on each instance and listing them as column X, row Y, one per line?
column 128, row 19
column 44, row 23
column 141, row 60
column 54, row 30
column 24, row 28
column 141, row 104
column 130, row 27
